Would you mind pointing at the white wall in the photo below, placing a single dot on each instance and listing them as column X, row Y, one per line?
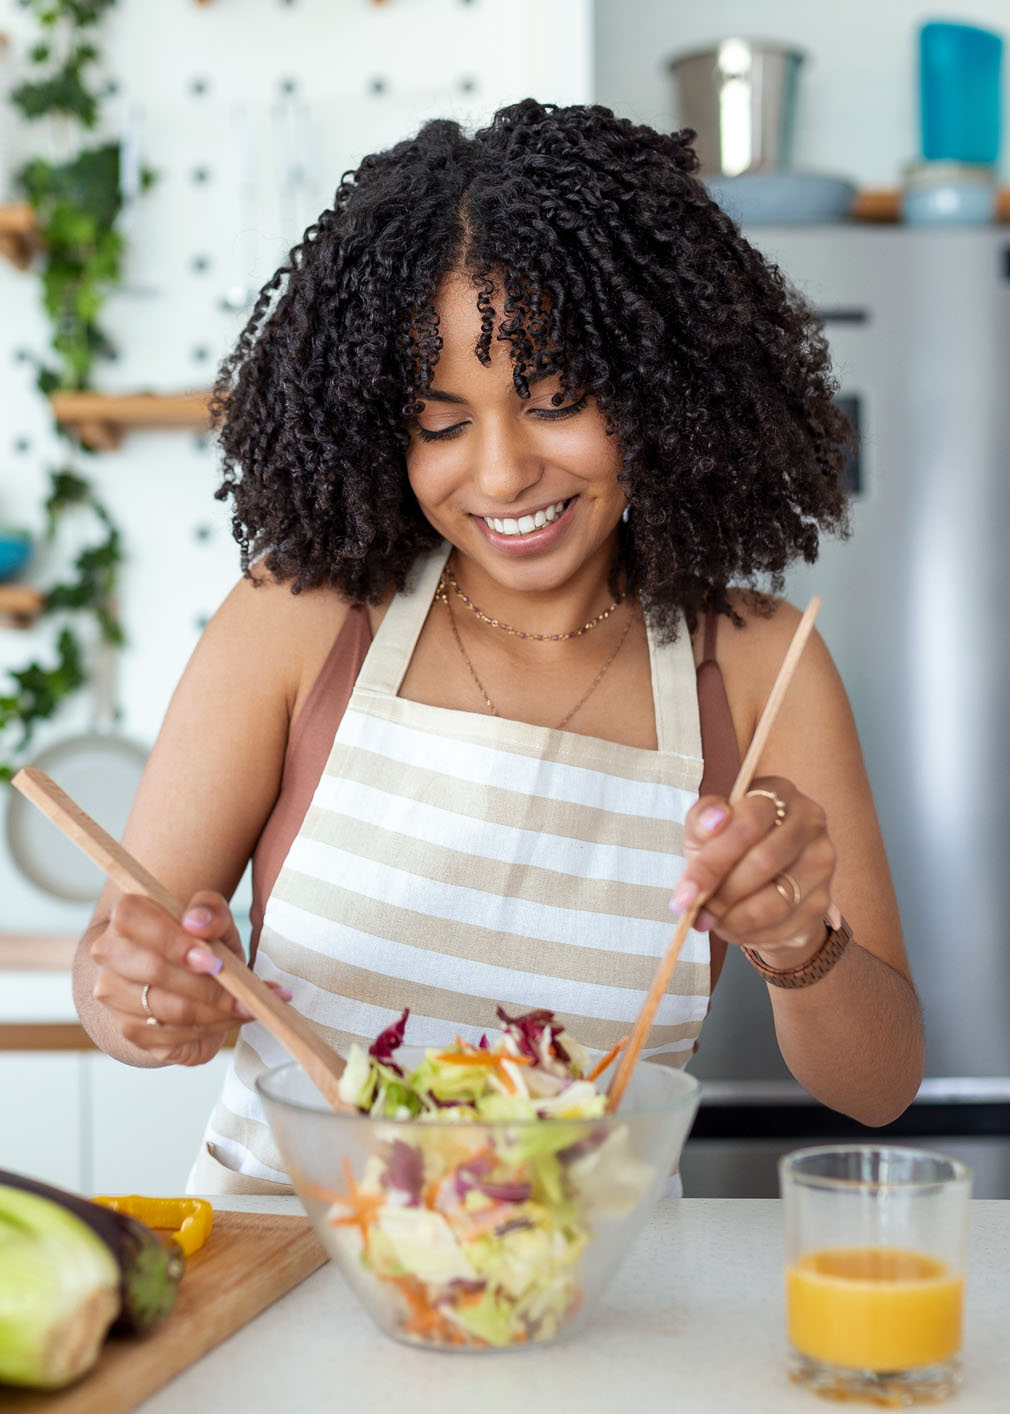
column 858, row 100
column 205, row 86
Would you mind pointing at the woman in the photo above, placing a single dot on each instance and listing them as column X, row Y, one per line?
column 519, row 412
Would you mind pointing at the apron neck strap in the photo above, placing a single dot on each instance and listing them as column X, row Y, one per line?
column 393, row 646
column 674, row 686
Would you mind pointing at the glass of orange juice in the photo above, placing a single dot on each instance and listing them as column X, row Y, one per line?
column 875, row 1240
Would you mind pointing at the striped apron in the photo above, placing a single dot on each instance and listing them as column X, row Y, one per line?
column 454, row 861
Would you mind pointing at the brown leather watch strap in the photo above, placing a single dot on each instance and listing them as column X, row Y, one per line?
column 814, row 968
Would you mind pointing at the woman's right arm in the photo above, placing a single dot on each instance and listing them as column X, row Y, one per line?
column 207, row 790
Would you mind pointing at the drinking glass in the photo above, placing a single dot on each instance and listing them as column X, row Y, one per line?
column 875, row 1241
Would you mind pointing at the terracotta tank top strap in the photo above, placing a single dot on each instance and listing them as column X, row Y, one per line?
column 718, row 746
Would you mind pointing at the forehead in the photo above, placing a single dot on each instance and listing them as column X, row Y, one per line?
column 459, row 319
column 460, row 329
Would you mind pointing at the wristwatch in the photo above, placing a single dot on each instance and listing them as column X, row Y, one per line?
column 815, row 967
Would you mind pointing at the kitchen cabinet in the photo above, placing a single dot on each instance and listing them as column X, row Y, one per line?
column 144, row 1126
column 84, row 1121
column 77, row 1118
column 41, row 1113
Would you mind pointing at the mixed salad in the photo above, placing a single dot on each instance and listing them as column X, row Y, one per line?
column 475, row 1235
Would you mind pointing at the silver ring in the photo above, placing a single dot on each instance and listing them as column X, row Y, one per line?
column 781, row 881
column 150, row 1019
column 779, row 803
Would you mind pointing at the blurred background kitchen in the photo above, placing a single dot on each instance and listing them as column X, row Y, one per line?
column 859, row 146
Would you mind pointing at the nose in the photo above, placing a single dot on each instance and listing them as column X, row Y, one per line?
column 505, row 465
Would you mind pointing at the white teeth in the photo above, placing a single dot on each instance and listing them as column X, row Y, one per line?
column 525, row 524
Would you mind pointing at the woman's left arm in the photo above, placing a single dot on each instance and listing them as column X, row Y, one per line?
column 854, row 1037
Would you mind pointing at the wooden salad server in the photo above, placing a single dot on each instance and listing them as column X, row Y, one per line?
column 320, row 1062
column 668, row 962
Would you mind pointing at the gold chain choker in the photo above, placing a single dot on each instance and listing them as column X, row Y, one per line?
column 449, row 577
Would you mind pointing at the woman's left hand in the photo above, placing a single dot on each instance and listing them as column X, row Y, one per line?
column 763, row 869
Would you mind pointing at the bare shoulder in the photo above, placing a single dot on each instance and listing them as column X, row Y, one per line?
column 750, row 654
column 214, row 772
column 284, row 636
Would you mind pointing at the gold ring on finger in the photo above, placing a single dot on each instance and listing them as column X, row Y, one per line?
column 779, row 803
column 150, row 1019
column 788, row 888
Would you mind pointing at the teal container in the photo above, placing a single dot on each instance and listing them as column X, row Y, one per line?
column 959, row 85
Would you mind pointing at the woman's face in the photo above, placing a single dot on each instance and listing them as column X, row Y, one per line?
column 526, row 491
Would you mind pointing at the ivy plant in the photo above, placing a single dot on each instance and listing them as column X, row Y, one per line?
column 76, row 204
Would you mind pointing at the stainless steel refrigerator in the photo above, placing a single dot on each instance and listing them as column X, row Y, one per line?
column 915, row 612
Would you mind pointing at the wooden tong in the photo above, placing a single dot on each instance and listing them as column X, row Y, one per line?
column 320, row 1062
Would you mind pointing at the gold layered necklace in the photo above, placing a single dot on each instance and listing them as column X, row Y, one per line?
column 450, row 578
column 442, row 593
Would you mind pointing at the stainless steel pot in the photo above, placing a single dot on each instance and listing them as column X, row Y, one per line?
column 739, row 96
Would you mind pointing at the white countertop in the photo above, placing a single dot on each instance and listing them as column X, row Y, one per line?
column 694, row 1323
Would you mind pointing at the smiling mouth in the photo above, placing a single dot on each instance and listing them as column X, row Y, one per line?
column 525, row 525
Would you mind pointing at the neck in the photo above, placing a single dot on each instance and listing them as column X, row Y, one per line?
column 547, row 611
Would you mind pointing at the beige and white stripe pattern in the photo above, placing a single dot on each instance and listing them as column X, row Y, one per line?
column 453, row 861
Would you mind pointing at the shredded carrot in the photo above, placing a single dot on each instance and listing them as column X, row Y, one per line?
column 487, row 1221
column 604, row 1061
column 489, row 1059
column 362, row 1207
column 425, row 1320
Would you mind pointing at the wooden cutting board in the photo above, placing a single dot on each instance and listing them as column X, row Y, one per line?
column 249, row 1260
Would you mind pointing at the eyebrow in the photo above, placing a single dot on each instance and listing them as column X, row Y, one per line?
column 434, row 396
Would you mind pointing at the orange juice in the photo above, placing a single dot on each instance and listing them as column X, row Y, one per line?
column 874, row 1308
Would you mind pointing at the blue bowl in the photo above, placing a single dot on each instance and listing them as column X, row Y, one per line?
column 783, row 197
column 15, row 552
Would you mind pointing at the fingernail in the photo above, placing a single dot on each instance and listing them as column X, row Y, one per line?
column 285, row 992
column 685, row 895
column 200, row 960
column 712, row 817
column 704, row 921
column 242, row 1012
column 196, row 918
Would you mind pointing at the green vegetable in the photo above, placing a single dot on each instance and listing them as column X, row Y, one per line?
column 148, row 1270
column 59, row 1292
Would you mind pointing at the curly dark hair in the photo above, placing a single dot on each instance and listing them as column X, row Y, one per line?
column 616, row 267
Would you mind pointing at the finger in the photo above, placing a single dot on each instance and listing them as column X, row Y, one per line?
column 208, row 916
column 758, row 842
column 799, row 849
column 143, row 945
column 712, row 852
column 167, row 1001
column 769, row 917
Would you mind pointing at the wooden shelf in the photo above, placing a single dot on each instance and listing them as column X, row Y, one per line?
column 884, row 204
column 19, row 239
column 20, row 606
column 37, row 952
column 99, row 420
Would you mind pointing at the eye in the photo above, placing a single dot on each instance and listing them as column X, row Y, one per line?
column 442, row 435
column 558, row 414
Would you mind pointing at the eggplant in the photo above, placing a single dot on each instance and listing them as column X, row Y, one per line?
column 149, row 1270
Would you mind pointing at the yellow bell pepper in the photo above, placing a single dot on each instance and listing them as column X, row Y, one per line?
column 189, row 1220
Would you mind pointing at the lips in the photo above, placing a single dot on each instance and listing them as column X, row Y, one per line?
column 525, row 524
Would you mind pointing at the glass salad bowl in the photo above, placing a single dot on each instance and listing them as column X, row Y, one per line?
column 475, row 1234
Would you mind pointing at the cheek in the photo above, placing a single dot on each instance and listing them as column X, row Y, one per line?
column 430, row 475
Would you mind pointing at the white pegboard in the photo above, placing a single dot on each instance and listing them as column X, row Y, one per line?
column 250, row 111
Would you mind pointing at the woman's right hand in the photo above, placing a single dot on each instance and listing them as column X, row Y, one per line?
column 141, row 946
